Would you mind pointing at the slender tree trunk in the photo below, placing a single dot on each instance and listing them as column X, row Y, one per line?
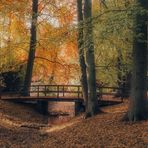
column 31, row 56
column 138, row 108
column 81, row 52
column 119, row 72
column 92, row 107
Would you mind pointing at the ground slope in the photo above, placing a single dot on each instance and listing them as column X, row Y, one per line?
column 104, row 130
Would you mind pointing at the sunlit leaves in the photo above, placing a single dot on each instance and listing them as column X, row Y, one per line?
column 55, row 18
column 56, row 52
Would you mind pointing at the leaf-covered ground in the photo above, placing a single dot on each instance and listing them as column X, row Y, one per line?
column 23, row 127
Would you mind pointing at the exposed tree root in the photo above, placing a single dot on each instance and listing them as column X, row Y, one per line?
column 91, row 114
column 135, row 117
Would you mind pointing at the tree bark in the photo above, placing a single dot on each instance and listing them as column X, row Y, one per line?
column 81, row 53
column 138, row 107
column 31, row 56
column 92, row 107
column 119, row 72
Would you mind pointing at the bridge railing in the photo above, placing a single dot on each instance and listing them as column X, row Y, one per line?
column 75, row 91
column 56, row 90
column 69, row 90
column 121, row 92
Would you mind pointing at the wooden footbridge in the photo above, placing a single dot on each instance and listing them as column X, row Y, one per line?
column 59, row 93
column 68, row 93
column 65, row 93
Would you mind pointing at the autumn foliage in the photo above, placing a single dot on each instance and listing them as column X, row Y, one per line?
column 56, row 58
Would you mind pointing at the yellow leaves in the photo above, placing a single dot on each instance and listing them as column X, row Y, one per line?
column 17, row 29
column 65, row 15
column 14, row 5
column 56, row 52
column 69, row 52
column 61, row 61
column 96, row 7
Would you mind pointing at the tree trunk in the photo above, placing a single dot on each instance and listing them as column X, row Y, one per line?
column 119, row 72
column 81, row 52
column 92, row 106
column 138, row 108
column 31, row 56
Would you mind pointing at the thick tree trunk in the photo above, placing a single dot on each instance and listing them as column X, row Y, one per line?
column 31, row 56
column 81, row 52
column 138, row 108
column 92, row 107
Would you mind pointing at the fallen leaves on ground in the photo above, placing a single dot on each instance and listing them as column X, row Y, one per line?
column 103, row 130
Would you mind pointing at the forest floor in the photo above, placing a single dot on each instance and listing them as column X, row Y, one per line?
column 22, row 127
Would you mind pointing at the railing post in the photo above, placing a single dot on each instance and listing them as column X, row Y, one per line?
column 57, row 91
column 45, row 90
column 78, row 91
column 29, row 90
column 101, row 92
column 63, row 90
column 81, row 91
column 38, row 90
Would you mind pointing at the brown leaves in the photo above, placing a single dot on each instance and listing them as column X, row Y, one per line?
column 104, row 130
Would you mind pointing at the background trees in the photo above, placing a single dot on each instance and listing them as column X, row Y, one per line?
column 108, row 30
column 56, row 50
column 55, row 42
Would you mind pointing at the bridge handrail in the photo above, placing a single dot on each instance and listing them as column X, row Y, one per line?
column 67, row 89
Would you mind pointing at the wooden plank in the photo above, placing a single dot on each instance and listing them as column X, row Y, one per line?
column 57, row 85
column 60, row 99
column 55, row 91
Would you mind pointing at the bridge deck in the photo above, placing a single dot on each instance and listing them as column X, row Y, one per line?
column 42, row 98
column 61, row 99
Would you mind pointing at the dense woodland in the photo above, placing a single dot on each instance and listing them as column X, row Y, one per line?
column 77, row 42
